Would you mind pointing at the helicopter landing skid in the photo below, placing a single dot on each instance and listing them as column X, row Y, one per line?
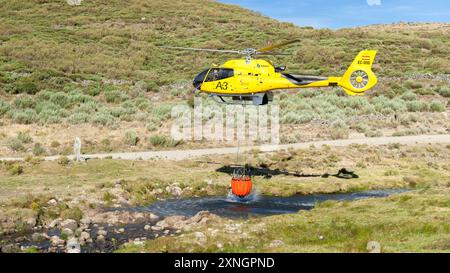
column 254, row 99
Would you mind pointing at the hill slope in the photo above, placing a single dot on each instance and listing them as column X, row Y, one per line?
column 95, row 70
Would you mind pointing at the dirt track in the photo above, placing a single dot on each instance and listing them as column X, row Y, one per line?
column 186, row 154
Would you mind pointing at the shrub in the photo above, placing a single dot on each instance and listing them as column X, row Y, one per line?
column 24, row 137
column 413, row 84
column 55, row 144
column 409, row 96
column 15, row 169
column 444, row 91
column 437, row 106
column 416, row 106
column 131, row 138
column 25, row 85
column 339, row 130
column 4, row 107
column 163, row 111
column 151, row 86
column 27, row 116
column 63, row 160
column 15, row 144
column 24, row 102
column 38, row 149
column 72, row 213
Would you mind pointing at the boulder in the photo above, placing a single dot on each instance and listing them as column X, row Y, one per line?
column 56, row 241
column 276, row 243
column 200, row 237
column 70, row 224
column 67, row 231
column 52, row 202
column 73, row 246
column 38, row 237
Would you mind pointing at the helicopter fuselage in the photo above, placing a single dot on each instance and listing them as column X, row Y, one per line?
column 240, row 77
column 251, row 79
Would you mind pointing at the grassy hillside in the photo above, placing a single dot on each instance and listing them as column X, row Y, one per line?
column 95, row 69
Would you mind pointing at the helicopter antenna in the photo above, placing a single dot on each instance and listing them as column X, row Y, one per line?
column 248, row 52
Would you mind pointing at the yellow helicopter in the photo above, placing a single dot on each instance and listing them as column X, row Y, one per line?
column 253, row 79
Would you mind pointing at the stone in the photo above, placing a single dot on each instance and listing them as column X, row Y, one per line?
column 70, row 224
column 102, row 232
column 147, row 227
column 67, row 231
column 31, row 221
column 85, row 236
column 100, row 239
column 200, row 237
column 73, row 246
column 52, row 202
column 54, row 223
column 39, row 237
column 86, row 221
column 276, row 243
column 374, row 247
column 56, row 241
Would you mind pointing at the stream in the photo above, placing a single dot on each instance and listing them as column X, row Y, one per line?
column 255, row 205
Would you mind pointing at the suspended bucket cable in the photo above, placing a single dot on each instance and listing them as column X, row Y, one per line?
column 241, row 182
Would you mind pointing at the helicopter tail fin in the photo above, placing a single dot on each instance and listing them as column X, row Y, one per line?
column 359, row 76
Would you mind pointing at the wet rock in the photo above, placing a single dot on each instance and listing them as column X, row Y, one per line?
column 102, row 232
column 39, row 237
column 10, row 248
column 67, row 231
column 70, row 224
column 86, row 221
column 84, row 236
column 123, row 217
column 73, row 246
column 100, row 239
column 56, row 241
column 174, row 190
column 54, row 223
column 171, row 222
column 276, row 243
column 184, row 223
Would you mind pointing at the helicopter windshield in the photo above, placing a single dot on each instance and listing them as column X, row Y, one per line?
column 217, row 74
column 200, row 78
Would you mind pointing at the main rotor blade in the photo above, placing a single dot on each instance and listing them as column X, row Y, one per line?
column 202, row 49
column 272, row 47
column 272, row 54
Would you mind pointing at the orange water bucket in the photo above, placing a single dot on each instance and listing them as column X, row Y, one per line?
column 241, row 186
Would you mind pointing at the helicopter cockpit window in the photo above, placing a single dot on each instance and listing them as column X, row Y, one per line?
column 217, row 74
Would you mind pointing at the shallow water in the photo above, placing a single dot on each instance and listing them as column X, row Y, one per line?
column 255, row 204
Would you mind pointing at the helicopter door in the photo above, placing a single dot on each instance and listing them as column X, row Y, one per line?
column 220, row 76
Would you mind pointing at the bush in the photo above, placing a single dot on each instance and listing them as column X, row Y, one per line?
column 151, row 86
column 38, row 149
column 25, row 85
column 4, row 107
column 24, row 102
column 15, row 144
column 413, row 84
column 24, row 137
column 409, row 96
column 63, row 160
column 444, row 91
column 437, row 106
column 417, row 106
column 131, row 138
column 27, row 116
column 15, row 169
